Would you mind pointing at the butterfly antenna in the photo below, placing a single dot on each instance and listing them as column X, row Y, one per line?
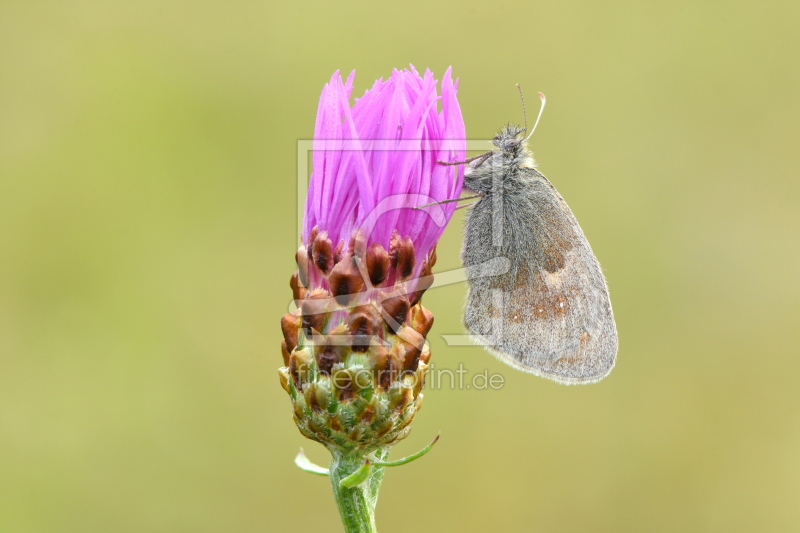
column 544, row 100
column 524, row 111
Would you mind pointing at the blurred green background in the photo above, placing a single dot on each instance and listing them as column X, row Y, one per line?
column 148, row 161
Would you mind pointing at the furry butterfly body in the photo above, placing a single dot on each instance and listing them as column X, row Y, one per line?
column 550, row 313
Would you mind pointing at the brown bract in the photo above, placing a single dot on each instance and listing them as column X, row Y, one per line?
column 323, row 252
column 377, row 260
column 345, row 281
column 401, row 256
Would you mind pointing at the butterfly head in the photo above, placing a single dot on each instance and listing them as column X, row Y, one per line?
column 509, row 140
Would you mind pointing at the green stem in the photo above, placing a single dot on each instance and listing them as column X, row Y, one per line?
column 357, row 504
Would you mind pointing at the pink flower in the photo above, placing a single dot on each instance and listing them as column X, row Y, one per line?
column 373, row 163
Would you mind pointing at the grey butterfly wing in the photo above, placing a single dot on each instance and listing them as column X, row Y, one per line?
column 550, row 313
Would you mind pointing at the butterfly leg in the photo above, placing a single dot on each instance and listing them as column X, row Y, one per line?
column 466, row 205
column 450, row 200
column 482, row 157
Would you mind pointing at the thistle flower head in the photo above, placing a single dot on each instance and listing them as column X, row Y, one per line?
column 386, row 145
column 355, row 350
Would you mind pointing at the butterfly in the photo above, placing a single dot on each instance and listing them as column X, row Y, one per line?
column 549, row 313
